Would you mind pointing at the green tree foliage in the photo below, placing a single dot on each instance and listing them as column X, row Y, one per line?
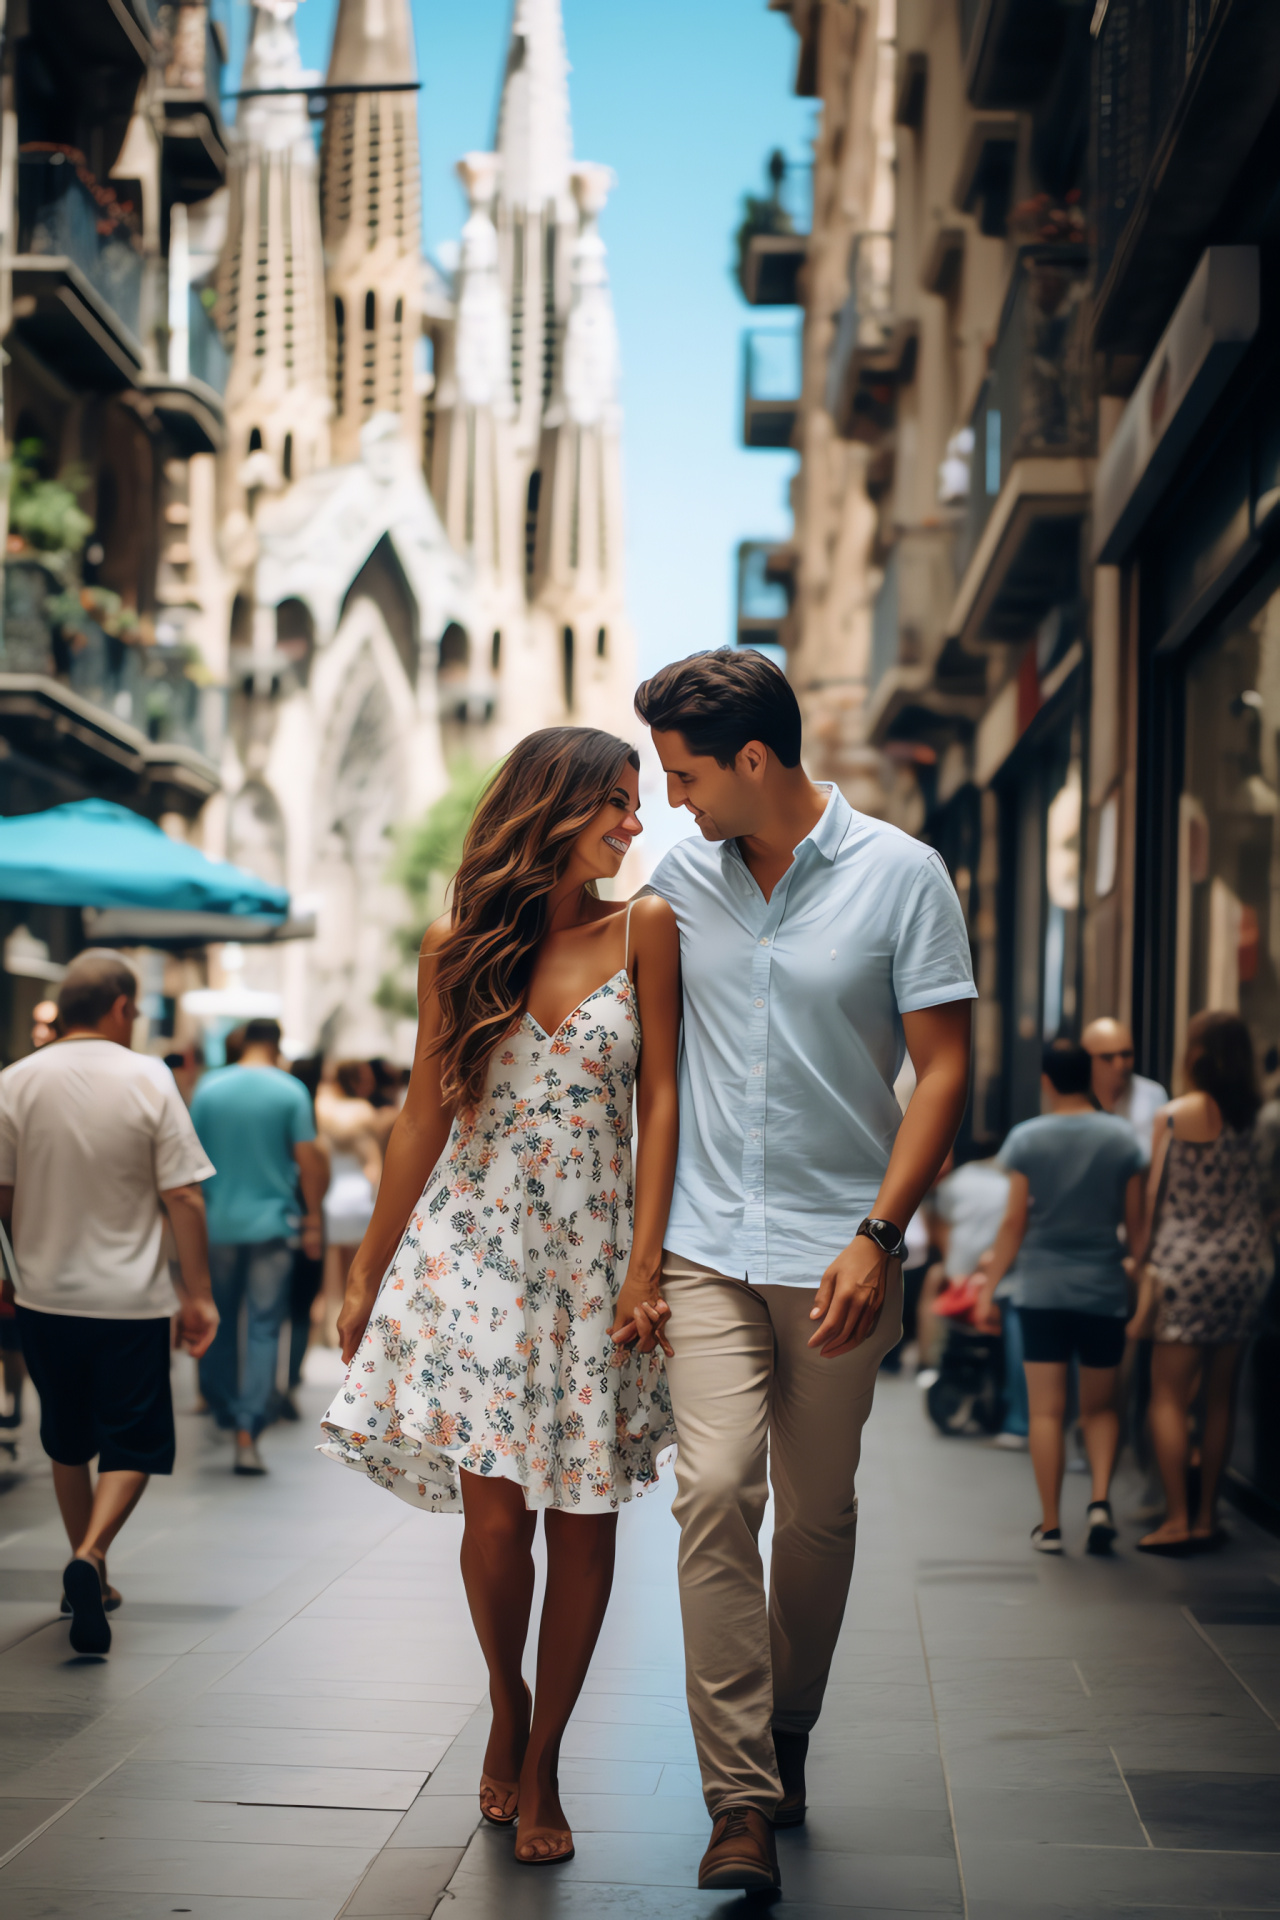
column 425, row 861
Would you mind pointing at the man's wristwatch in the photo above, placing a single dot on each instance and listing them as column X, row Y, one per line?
column 888, row 1238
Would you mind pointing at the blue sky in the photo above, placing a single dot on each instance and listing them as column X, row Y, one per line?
column 683, row 99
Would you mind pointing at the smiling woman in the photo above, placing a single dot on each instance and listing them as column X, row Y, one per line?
column 503, row 1363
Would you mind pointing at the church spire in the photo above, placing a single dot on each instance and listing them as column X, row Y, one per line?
column 535, row 140
column 370, row 200
column 271, row 277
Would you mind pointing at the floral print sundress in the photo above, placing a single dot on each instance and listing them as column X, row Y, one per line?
column 488, row 1348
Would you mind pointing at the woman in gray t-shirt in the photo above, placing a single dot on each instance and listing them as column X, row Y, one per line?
column 1075, row 1178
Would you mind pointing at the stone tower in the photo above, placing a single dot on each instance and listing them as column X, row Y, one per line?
column 271, row 276
column 371, row 213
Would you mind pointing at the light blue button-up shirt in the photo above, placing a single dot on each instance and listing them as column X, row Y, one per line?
column 793, row 1036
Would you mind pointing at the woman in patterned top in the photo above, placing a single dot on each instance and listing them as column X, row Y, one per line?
column 503, row 1314
column 1208, row 1267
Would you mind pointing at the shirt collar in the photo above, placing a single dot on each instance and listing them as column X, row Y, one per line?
column 826, row 837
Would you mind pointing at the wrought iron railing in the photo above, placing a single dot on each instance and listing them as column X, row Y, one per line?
column 64, row 213
column 1146, row 50
column 1038, row 395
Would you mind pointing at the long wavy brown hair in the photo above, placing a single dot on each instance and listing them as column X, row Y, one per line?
column 546, row 791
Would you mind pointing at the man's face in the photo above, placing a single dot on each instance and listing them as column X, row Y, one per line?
column 1111, row 1047
column 726, row 802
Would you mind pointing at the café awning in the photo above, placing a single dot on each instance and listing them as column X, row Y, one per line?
column 93, row 853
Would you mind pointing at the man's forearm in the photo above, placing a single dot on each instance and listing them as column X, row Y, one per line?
column 926, row 1136
column 313, row 1179
column 191, row 1237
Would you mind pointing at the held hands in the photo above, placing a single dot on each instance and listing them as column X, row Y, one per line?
column 850, row 1297
column 642, row 1315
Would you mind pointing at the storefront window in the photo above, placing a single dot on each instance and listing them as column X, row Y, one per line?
column 1228, row 926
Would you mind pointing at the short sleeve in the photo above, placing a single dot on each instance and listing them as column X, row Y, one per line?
column 931, row 961
column 1012, row 1156
column 302, row 1120
column 8, row 1137
column 179, row 1157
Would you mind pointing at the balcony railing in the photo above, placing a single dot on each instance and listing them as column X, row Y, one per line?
column 195, row 135
column 64, row 214
column 763, row 600
column 770, row 387
column 1146, row 50
column 150, row 688
column 773, row 237
column 1037, row 399
column 873, row 348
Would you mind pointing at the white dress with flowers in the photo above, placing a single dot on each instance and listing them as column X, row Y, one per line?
column 488, row 1349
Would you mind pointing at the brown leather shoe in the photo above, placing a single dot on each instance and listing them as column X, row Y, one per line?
column 791, row 1749
column 742, row 1856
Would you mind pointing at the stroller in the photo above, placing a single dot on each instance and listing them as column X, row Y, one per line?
column 967, row 1396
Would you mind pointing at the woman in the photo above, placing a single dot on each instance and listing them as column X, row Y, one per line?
column 488, row 1369
column 1206, row 1271
column 1075, row 1178
column 352, row 1130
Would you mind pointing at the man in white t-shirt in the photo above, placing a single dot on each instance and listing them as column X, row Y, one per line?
column 1116, row 1087
column 96, row 1148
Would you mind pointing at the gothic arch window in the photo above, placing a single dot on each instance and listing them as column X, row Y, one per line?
column 339, row 356
column 296, row 637
column 567, row 662
column 286, row 458
column 256, row 832
column 495, row 651
column 242, row 621
column 382, row 580
column 602, row 643
column 454, row 655
column 370, row 311
column 370, row 350
column 255, row 439
column 531, row 522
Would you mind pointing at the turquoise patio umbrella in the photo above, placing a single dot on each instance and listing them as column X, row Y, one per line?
column 93, row 853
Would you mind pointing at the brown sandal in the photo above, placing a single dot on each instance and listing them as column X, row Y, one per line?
column 545, row 1859
column 503, row 1790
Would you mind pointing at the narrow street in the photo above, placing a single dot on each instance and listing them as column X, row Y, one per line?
column 290, row 1722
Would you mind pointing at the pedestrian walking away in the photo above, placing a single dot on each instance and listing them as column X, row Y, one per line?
column 502, row 1253
column 96, row 1149
column 1075, row 1179
column 813, row 942
column 1208, row 1269
column 256, row 1125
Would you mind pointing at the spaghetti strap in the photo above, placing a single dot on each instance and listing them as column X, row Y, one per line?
column 626, row 941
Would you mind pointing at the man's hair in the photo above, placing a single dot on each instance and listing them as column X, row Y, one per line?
column 262, row 1033
column 1068, row 1066
column 722, row 699
column 91, row 986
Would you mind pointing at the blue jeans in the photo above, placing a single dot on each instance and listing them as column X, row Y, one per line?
column 258, row 1272
column 1017, row 1414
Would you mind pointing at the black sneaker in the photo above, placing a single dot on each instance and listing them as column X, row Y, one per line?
column 1047, row 1539
column 1102, row 1528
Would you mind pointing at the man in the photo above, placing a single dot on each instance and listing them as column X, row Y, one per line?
column 96, row 1148
column 256, row 1124
column 1116, row 1087
column 812, row 940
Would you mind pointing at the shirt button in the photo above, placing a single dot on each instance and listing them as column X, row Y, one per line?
column 759, row 1003
column 755, row 1133
column 764, row 943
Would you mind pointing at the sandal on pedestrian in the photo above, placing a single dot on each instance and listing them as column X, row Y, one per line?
column 82, row 1586
column 1046, row 1539
column 1102, row 1528
column 559, row 1835
column 499, row 1790
column 1175, row 1548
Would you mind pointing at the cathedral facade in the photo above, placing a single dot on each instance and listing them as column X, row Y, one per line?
column 418, row 545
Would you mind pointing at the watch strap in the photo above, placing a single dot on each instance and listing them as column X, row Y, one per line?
column 889, row 1238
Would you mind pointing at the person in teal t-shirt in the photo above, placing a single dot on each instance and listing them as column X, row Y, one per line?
column 256, row 1124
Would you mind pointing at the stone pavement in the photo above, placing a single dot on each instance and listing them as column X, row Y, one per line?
column 290, row 1723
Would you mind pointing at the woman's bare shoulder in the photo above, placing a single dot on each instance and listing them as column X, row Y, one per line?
column 651, row 911
column 436, row 935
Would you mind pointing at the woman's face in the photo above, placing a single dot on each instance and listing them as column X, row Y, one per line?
column 601, row 847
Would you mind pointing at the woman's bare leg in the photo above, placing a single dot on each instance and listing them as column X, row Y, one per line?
column 1221, row 1365
column 497, row 1571
column 1100, row 1419
column 1174, row 1372
column 1047, row 1399
column 580, row 1549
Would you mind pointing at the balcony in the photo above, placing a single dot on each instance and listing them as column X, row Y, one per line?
column 874, row 350
column 774, row 235
column 188, row 396
column 764, row 597
column 770, row 386
column 1012, row 49
column 195, row 138
column 916, row 684
column 77, row 274
column 116, row 715
column 1182, row 89
column 1031, row 467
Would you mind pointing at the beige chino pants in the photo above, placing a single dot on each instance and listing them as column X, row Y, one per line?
column 754, row 1402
